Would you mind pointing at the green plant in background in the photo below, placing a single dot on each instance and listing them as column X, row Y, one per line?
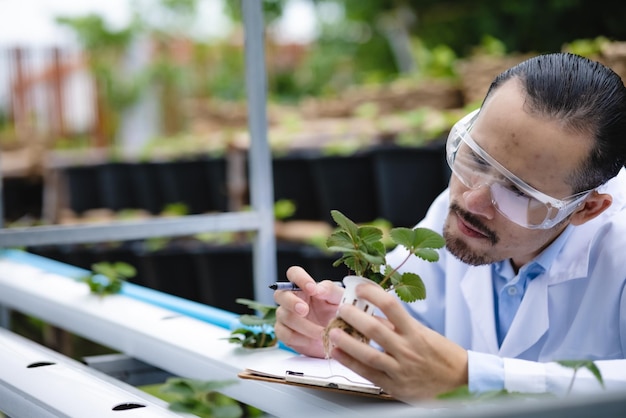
column 107, row 278
column 106, row 48
column 257, row 331
column 175, row 209
column 201, row 398
column 589, row 48
column 581, row 364
column 363, row 252
column 436, row 62
column 284, row 208
column 462, row 393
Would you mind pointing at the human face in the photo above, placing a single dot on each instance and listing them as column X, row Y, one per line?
column 533, row 155
column 511, row 196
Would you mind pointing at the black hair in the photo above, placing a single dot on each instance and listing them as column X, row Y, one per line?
column 587, row 97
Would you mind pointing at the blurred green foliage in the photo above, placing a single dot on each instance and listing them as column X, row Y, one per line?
column 358, row 42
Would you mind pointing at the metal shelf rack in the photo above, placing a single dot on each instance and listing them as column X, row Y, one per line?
column 260, row 219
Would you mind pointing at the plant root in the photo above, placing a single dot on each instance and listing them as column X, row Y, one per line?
column 341, row 324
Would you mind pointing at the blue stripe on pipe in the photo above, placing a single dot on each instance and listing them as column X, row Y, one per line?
column 210, row 314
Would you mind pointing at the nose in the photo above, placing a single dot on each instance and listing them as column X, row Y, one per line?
column 479, row 201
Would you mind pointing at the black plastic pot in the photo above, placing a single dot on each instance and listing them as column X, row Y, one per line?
column 199, row 184
column 148, row 194
column 83, row 188
column 228, row 275
column 22, row 196
column 346, row 183
column 408, row 180
column 171, row 270
column 115, row 186
column 294, row 181
column 217, row 185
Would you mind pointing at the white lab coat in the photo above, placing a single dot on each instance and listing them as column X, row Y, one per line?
column 576, row 310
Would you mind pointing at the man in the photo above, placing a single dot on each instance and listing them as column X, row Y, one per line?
column 534, row 269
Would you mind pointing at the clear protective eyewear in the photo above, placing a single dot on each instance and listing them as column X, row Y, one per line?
column 511, row 196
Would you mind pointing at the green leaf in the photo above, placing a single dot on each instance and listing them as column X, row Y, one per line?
column 178, row 386
column 340, row 239
column 187, row 387
column 125, row 269
column 413, row 239
column 462, row 392
column 253, row 320
column 255, row 305
column 370, row 235
column 427, row 254
column 591, row 366
column 587, row 364
column 410, row 288
column 227, row 411
column 573, row 364
column 344, row 223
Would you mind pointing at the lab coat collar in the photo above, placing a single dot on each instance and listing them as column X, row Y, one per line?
column 531, row 321
column 477, row 290
column 530, row 324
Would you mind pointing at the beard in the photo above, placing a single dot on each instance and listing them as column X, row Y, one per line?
column 459, row 248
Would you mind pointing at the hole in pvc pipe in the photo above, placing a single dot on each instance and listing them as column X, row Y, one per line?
column 40, row 364
column 128, row 405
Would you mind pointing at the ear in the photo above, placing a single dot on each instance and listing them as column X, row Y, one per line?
column 593, row 206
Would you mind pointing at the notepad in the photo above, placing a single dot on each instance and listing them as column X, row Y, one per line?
column 314, row 372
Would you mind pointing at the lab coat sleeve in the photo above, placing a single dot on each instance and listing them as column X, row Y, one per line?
column 485, row 372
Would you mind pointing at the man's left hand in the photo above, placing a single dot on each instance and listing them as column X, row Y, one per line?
column 416, row 362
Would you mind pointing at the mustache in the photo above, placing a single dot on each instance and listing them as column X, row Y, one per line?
column 475, row 222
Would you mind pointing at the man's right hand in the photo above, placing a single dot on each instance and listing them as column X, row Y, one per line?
column 302, row 315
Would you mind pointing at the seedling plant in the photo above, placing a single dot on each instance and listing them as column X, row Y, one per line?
column 257, row 331
column 107, row 278
column 363, row 251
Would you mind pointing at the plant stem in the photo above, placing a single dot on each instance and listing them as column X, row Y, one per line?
column 263, row 334
column 384, row 280
column 571, row 383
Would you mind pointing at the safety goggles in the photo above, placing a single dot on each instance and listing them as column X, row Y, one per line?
column 511, row 196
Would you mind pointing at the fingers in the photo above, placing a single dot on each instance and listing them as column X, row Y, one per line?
column 388, row 333
column 299, row 333
column 415, row 361
column 301, row 315
column 329, row 291
column 362, row 358
column 390, row 306
column 325, row 292
column 301, row 278
column 296, row 301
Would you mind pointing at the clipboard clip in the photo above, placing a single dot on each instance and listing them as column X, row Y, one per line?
column 332, row 382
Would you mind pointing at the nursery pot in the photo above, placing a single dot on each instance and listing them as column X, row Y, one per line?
column 349, row 294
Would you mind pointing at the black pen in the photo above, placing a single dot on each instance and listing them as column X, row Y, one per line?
column 292, row 286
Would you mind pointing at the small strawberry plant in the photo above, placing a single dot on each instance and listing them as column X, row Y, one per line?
column 257, row 331
column 363, row 251
column 107, row 278
column 201, row 398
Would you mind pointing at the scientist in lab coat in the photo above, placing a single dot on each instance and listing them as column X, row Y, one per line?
column 534, row 269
